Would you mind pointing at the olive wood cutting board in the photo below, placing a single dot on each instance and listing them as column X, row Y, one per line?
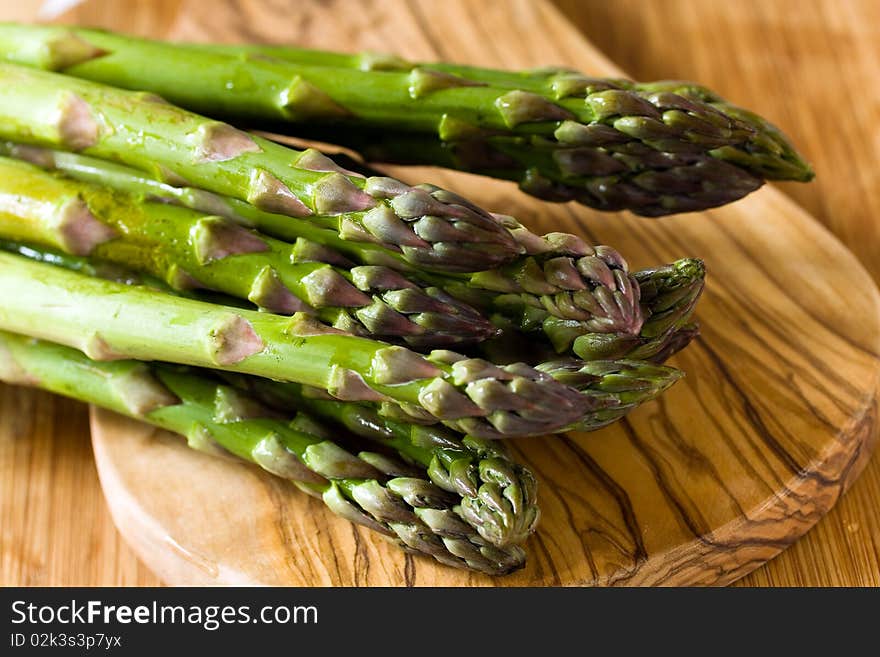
column 773, row 422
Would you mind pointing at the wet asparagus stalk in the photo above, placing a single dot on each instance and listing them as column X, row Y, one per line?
column 107, row 320
column 366, row 488
column 559, row 277
column 669, row 302
column 654, row 148
column 177, row 146
column 611, row 388
column 190, row 250
column 128, row 179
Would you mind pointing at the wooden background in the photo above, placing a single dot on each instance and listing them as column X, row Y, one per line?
column 55, row 528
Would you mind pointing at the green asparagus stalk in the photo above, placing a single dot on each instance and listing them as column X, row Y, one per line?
column 107, row 320
column 123, row 178
column 611, row 388
column 656, row 349
column 498, row 495
column 189, row 250
column 180, row 147
column 560, row 277
column 365, row 488
column 89, row 267
column 653, row 148
column 669, row 302
column 650, row 181
column 112, row 272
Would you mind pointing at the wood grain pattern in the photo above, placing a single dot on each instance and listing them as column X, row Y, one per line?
column 774, row 421
column 54, row 526
column 662, row 35
column 814, row 67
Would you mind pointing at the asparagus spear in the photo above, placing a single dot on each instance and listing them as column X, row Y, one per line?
column 669, row 296
column 180, row 147
column 112, row 272
column 188, row 249
column 650, row 181
column 656, row 349
column 560, row 276
column 111, row 174
column 611, row 388
column 669, row 302
column 106, row 320
column 364, row 488
column 89, row 267
column 498, row 495
column 653, row 148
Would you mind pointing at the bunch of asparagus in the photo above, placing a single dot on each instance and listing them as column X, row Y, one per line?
column 369, row 340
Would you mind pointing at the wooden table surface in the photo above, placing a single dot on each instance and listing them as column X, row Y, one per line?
column 808, row 65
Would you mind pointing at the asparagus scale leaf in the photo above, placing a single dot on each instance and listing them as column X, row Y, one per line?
column 410, row 510
column 654, row 148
